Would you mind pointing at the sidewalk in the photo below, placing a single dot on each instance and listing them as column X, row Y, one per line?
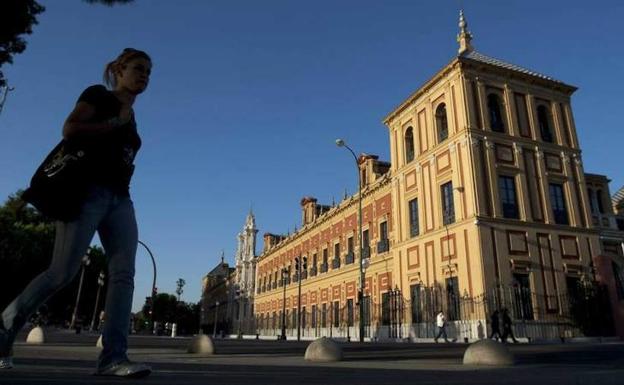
column 70, row 359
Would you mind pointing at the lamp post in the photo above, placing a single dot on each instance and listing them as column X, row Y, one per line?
column 448, row 218
column 100, row 282
column 214, row 330
column 341, row 143
column 301, row 264
column 153, row 282
column 241, row 297
column 5, row 92
column 284, row 275
column 85, row 262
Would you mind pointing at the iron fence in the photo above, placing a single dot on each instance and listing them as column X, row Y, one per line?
column 413, row 316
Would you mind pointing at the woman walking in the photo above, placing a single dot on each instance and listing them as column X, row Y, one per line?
column 103, row 125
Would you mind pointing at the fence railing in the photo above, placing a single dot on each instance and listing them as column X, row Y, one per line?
column 400, row 316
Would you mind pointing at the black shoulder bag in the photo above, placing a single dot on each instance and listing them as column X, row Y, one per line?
column 59, row 187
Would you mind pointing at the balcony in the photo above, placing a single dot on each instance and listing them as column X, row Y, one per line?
column 274, row 285
column 313, row 271
column 295, row 277
column 336, row 263
column 366, row 252
column 324, row 267
column 349, row 258
column 304, row 275
column 383, row 246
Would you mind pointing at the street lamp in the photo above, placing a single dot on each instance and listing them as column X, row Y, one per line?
column 153, row 282
column 85, row 262
column 301, row 265
column 6, row 91
column 100, row 282
column 214, row 330
column 284, row 275
column 341, row 143
column 449, row 218
column 240, row 297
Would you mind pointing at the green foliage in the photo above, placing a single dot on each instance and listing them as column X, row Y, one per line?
column 17, row 18
column 26, row 246
column 168, row 309
column 26, row 243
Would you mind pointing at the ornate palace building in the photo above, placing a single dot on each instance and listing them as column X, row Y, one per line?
column 484, row 206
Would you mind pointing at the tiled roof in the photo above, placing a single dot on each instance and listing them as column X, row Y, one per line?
column 474, row 55
column 618, row 196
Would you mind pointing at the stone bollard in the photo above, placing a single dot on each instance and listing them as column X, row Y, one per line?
column 99, row 344
column 488, row 352
column 323, row 350
column 174, row 330
column 201, row 344
column 36, row 336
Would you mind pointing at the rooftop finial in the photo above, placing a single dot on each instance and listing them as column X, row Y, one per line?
column 465, row 37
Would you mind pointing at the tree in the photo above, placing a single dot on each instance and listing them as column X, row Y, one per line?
column 17, row 17
column 180, row 285
column 26, row 246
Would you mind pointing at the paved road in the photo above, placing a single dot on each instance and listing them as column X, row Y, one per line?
column 69, row 359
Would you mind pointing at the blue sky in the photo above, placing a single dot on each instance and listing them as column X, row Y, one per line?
column 247, row 98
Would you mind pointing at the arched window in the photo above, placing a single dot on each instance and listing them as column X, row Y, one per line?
column 496, row 115
column 409, row 145
column 543, row 121
column 441, row 122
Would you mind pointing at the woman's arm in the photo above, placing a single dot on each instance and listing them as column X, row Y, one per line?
column 78, row 125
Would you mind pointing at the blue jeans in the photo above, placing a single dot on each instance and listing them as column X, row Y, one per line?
column 112, row 216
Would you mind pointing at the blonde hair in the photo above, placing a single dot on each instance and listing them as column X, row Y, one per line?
column 111, row 69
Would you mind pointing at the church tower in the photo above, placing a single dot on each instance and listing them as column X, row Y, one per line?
column 246, row 266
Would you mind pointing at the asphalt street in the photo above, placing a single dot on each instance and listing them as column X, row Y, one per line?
column 69, row 359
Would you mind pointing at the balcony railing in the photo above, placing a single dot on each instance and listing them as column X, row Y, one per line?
column 295, row 277
column 336, row 263
column 324, row 267
column 383, row 246
column 366, row 252
column 274, row 286
column 313, row 271
column 349, row 258
column 304, row 275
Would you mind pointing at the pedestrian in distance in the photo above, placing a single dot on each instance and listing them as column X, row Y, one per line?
column 495, row 325
column 507, row 327
column 441, row 324
column 92, row 197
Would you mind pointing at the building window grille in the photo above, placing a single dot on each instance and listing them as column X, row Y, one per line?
column 557, row 201
column 543, row 121
column 409, row 145
column 441, row 122
column 507, row 192
column 495, row 113
column 413, row 217
column 448, row 206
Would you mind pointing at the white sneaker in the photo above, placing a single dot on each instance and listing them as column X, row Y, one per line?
column 6, row 362
column 126, row 369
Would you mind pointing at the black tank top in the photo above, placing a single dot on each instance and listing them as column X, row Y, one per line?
column 111, row 155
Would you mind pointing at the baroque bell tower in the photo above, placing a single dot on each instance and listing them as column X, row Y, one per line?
column 246, row 257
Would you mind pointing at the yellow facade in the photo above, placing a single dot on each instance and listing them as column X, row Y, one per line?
column 498, row 144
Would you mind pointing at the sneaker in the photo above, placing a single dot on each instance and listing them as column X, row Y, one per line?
column 6, row 363
column 127, row 369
